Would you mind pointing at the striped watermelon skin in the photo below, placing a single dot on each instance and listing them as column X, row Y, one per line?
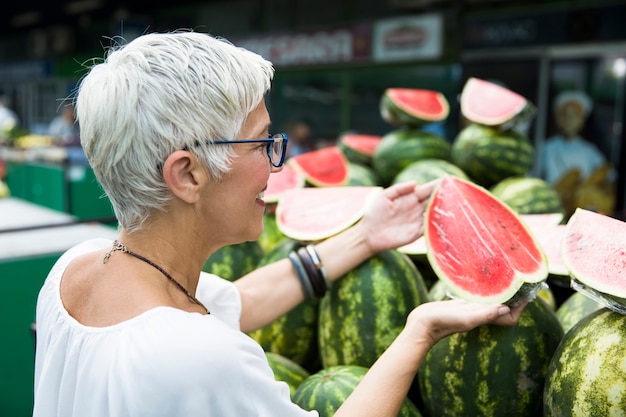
column 421, row 107
column 528, row 195
column 492, row 370
column 234, row 261
column 367, row 308
column 360, row 175
column 575, row 308
column 287, row 371
column 489, row 155
column 327, row 389
column 428, row 170
column 587, row 373
column 293, row 335
column 401, row 147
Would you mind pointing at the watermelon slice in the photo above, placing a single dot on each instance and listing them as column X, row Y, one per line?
column 280, row 181
column 325, row 167
column 490, row 104
column 413, row 107
column 594, row 252
column 548, row 231
column 359, row 148
column 479, row 247
column 312, row 214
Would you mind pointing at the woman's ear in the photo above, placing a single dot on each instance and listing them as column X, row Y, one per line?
column 184, row 175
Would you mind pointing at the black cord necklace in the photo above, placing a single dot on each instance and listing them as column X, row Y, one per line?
column 119, row 246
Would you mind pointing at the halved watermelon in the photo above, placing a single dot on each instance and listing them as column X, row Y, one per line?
column 280, row 181
column 312, row 214
column 413, row 107
column 594, row 252
column 479, row 247
column 359, row 148
column 490, row 104
column 325, row 167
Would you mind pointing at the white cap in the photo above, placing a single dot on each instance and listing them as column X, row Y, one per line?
column 574, row 95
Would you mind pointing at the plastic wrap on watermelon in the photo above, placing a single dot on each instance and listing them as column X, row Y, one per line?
column 616, row 304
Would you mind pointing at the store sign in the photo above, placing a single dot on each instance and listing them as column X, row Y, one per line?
column 335, row 46
column 408, row 38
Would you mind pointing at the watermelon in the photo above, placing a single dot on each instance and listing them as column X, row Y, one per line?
column 479, row 247
column 362, row 175
column 327, row 389
column 280, row 181
column 594, row 252
column 325, row 167
column 488, row 155
column 413, row 107
column 312, row 214
column 587, row 373
column 490, row 104
column 400, row 148
column 271, row 235
column 528, row 195
column 575, row 308
column 427, row 170
column 234, row 261
column 359, row 148
column 293, row 335
column 492, row 370
column 366, row 309
column 287, row 371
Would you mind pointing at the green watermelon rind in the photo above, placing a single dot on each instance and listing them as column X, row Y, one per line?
column 523, row 286
column 397, row 115
column 287, row 371
column 587, row 371
column 488, row 155
column 523, row 113
column 326, row 390
column 402, row 147
column 365, row 310
column 577, row 306
column 427, row 170
column 492, row 370
column 528, row 195
column 352, row 153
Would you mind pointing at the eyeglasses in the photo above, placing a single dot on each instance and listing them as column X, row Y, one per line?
column 276, row 146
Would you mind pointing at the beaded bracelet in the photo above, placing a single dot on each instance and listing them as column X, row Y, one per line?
column 302, row 275
column 314, row 274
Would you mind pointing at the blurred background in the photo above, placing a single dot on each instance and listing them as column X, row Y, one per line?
column 334, row 59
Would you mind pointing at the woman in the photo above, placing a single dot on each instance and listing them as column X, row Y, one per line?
column 177, row 132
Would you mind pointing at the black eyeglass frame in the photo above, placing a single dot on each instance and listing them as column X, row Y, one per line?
column 271, row 139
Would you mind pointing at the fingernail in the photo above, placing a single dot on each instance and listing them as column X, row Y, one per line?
column 504, row 310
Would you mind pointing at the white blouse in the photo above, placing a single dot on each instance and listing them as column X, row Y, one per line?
column 164, row 362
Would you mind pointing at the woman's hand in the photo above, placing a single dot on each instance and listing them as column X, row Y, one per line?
column 438, row 319
column 396, row 217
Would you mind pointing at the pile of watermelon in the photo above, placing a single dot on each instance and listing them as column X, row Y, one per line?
column 493, row 234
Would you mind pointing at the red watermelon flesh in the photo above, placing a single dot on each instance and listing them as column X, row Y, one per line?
column 594, row 251
column 425, row 104
column 325, row 167
column 490, row 104
column 365, row 144
column 280, row 181
column 478, row 246
column 312, row 214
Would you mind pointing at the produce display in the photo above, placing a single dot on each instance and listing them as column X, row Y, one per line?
column 493, row 234
column 327, row 389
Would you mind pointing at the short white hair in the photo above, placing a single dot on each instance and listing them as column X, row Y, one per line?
column 574, row 95
column 159, row 93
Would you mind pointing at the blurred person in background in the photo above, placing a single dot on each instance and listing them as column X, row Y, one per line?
column 300, row 138
column 574, row 166
column 64, row 128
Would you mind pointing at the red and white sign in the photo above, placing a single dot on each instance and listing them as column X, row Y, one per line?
column 323, row 47
column 408, row 38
